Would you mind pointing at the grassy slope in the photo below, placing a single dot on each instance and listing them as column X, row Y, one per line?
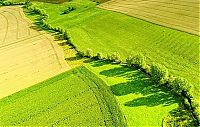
column 63, row 100
column 107, row 32
column 142, row 104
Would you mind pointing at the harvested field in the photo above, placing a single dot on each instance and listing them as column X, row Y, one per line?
column 179, row 14
column 27, row 56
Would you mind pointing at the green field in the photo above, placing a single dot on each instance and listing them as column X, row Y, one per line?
column 108, row 32
column 141, row 102
column 74, row 98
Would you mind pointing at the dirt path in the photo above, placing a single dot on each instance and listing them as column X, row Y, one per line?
column 27, row 56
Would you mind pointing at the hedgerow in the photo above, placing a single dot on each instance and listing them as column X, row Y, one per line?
column 158, row 73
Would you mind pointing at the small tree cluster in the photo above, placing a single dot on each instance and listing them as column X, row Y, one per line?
column 180, row 86
column 159, row 73
column 65, row 35
column 38, row 11
column 89, row 53
column 137, row 60
column 129, row 61
column 27, row 4
column 6, row 3
column 99, row 56
column 68, row 10
column 115, row 57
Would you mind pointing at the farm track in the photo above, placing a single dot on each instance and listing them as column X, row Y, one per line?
column 27, row 56
column 174, row 14
column 4, row 38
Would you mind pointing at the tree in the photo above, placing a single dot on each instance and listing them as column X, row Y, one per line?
column 27, row 3
column 139, row 60
column 108, row 57
column 99, row 56
column 89, row 53
column 65, row 35
column 129, row 61
column 115, row 57
column 179, row 85
column 81, row 54
column 159, row 73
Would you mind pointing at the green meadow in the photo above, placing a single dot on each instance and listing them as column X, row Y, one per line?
column 74, row 98
column 142, row 103
column 107, row 32
column 101, row 93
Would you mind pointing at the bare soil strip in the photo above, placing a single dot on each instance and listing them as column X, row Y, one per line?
column 180, row 14
column 27, row 56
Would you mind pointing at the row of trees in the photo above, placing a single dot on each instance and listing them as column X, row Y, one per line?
column 9, row 3
column 42, row 22
column 159, row 74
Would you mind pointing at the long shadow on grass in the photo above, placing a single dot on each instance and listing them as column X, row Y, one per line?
column 138, row 83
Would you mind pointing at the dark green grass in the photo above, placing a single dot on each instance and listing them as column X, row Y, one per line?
column 108, row 32
column 74, row 98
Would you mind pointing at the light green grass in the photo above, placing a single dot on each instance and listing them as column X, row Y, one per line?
column 141, row 103
column 74, row 98
column 108, row 32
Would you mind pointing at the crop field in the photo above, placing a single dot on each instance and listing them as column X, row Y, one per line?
column 142, row 104
column 27, row 56
column 179, row 14
column 64, row 63
column 75, row 98
column 107, row 32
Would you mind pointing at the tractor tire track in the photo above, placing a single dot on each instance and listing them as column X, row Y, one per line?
column 6, row 27
column 22, row 17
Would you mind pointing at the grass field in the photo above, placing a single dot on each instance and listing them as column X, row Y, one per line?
column 178, row 14
column 27, row 56
column 108, row 32
column 75, row 98
column 143, row 104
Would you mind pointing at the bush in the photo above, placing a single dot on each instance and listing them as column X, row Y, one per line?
column 6, row 3
column 81, row 54
column 27, row 4
column 139, row 60
column 108, row 57
column 68, row 10
column 115, row 57
column 179, row 85
column 159, row 73
column 129, row 61
column 89, row 53
column 99, row 56
column 65, row 35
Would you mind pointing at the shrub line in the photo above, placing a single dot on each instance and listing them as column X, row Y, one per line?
column 158, row 73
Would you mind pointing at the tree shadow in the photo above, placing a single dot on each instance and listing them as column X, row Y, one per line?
column 73, row 58
column 153, row 100
column 117, row 71
column 99, row 63
column 88, row 60
column 135, row 86
column 138, row 83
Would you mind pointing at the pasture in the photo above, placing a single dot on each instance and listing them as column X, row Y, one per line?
column 178, row 14
column 107, row 32
column 142, row 103
column 73, row 98
column 27, row 56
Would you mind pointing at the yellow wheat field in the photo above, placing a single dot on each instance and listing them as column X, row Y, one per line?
column 27, row 56
column 179, row 14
